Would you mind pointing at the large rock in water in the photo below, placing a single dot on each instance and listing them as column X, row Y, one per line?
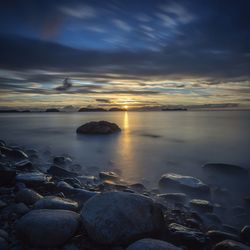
column 101, row 127
column 231, row 245
column 172, row 182
column 47, row 228
column 225, row 169
column 120, row 217
column 152, row 244
column 27, row 196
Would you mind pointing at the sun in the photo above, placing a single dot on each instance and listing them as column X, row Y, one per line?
column 125, row 107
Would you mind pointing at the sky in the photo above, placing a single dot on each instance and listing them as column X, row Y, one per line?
column 115, row 53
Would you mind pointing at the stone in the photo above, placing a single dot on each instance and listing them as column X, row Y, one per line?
column 20, row 209
column 189, row 237
column 24, row 165
column 54, row 202
column 33, row 178
column 225, row 169
column 218, row 236
column 174, row 197
column 202, row 206
column 3, row 244
column 62, row 161
column 4, row 234
column 229, row 229
column 60, row 172
column 109, row 176
column 245, row 234
column 27, row 196
column 101, row 127
column 172, row 182
column 120, row 217
column 47, row 227
column 7, row 175
column 152, row 244
column 14, row 154
column 2, row 204
column 230, row 245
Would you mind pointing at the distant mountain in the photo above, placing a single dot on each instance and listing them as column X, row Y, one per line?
column 117, row 109
column 174, row 109
column 52, row 110
column 91, row 110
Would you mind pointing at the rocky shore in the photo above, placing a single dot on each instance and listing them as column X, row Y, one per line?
column 57, row 207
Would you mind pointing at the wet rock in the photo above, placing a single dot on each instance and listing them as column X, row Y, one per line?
column 7, row 175
column 181, row 235
column 212, row 219
column 218, row 236
column 202, row 206
column 230, row 245
column 245, row 234
column 101, row 127
column 3, row 244
column 4, row 234
column 47, row 228
column 24, row 165
column 62, row 185
column 130, row 216
column 2, row 204
column 27, row 196
column 238, row 210
column 20, row 209
column 2, row 143
column 109, row 176
column 14, row 154
column 87, row 179
column 138, row 187
column 225, row 169
column 33, row 178
column 174, row 197
column 60, row 172
column 175, row 183
column 152, row 244
column 230, row 229
column 54, row 202
column 62, row 161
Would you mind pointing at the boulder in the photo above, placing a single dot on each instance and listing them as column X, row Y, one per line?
column 54, row 202
column 60, row 172
column 27, row 196
column 218, row 236
column 14, row 154
column 47, row 228
column 174, row 197
column 245, row 234
column 101, row 127
column 62, row 161
column 189, row 237
column 24, row 165
column 202, row 206
column 3, row 244
column 230, row 245
column 225, row 169
column 109, row 176
column 120, row 217
column 172, row 182
column 33, row 178
column 152, row 244
column 7, row 175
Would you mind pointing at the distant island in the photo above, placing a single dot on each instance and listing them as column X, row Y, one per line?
column 92, row 110
column 174, row 109
column 52, row 110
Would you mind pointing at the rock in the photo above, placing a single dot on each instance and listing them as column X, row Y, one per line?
column 62, row 161
column 138, row 187
column 218, row 236
column 7, row 175
column 225, row 169
column 152, row 244
column 3, row 244
column 27, row 196
column 230, row 245
column 60, row 172
column 71, row 247
column 187, row 184
column 202, row 206
column 54, row 202
column 87, row 179
column 14, row 154
column 62, row 185
column 238, row 210
column 33, row 178
column 20, row 209
column 230, row 229
column 174, row 197
column 109, row 176
column 245, row 234
column 47, row 228
column 4, row 234
column 181, row 235
column 2, row 204
column 101, row 127
column 2, row 143
column 130, row 217
column 212, row 219
column 24, row 165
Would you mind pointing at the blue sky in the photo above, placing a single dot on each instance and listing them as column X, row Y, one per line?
column 141, row 53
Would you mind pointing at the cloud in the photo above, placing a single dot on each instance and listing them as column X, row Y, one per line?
column 103, row 100
column 66, row 85
column 122, row 25
column 79, row 11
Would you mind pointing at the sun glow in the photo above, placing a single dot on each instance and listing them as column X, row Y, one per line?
column 125, row 107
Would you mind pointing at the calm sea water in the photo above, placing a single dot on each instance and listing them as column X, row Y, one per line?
column 150, row 144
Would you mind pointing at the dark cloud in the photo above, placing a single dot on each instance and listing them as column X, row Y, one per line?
column 102, row 100
column 65, row 86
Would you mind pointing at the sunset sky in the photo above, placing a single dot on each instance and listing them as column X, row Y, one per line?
column 125, row 52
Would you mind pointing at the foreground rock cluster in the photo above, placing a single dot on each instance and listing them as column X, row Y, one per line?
column 57, row 208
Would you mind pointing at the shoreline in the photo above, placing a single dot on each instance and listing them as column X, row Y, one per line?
column 183, row 212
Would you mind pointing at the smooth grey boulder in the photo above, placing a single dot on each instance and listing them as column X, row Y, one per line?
column 225, row 169
column 33, row 178
column 54, row 202
column 101, row 127
column 60, row 172
column 230, row 245
column 120, row 217
column 152, row 244
column 14, row 154
column 189, row 237
column 109, row 176
column 202, row 206
column 245, row 234
column 27, row 196
column 47, row 228
column 194, row 187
